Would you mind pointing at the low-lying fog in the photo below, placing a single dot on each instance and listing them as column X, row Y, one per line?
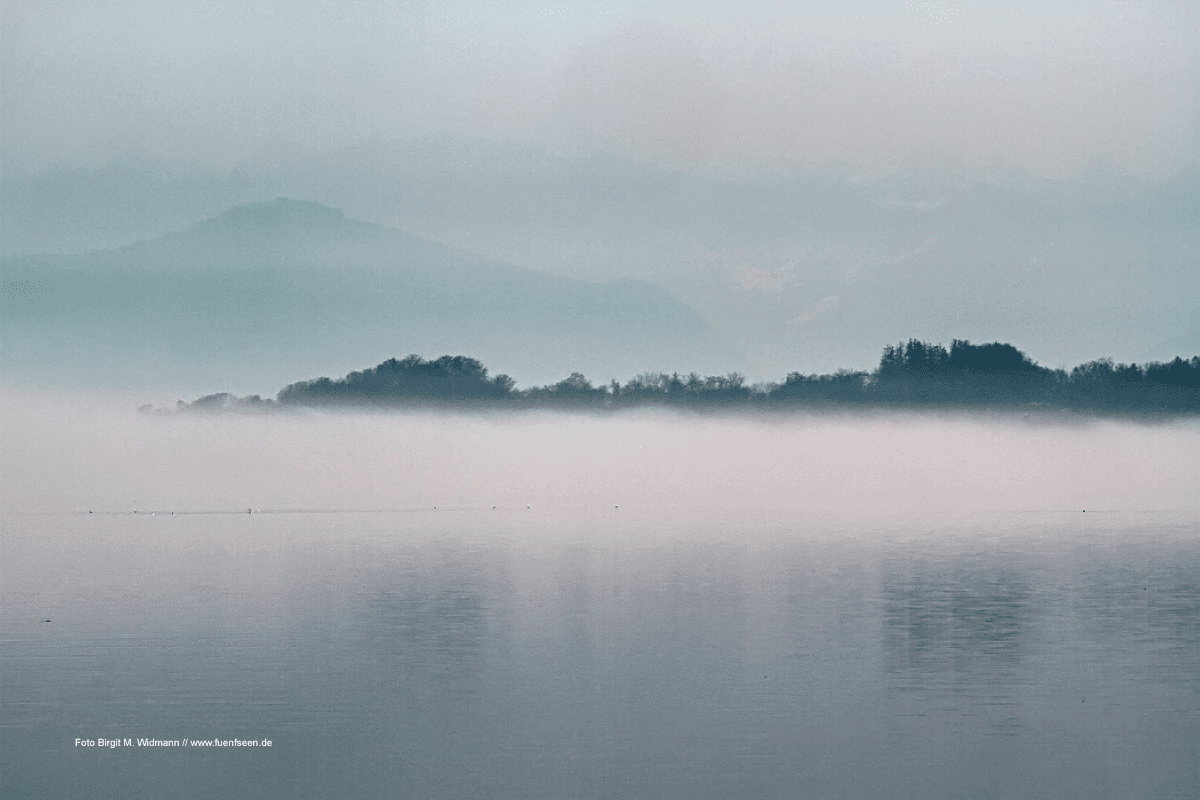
column 76, row 455
column 660, row 605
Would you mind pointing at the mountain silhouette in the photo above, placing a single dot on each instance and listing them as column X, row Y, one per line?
column 803, row 268
column 266, row 290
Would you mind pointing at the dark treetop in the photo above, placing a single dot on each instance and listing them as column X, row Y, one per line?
column 916, row 374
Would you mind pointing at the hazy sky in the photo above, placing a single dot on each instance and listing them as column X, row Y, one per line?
column 1048, row 86
column 1095, row 96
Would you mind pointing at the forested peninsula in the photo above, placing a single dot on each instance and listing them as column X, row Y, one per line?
column 913, row 375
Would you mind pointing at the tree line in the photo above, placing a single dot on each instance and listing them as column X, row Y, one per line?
column 912, row 374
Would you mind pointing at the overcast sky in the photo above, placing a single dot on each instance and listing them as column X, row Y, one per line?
column 1049, row 87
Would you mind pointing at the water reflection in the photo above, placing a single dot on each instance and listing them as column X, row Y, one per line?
column 451, row 656
column 974, row 623
column 951, row 630
column 1147, row 610
column 423, row 630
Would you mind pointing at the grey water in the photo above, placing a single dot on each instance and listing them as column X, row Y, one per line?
column 948, row 635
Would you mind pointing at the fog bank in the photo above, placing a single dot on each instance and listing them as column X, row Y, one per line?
column 79, row 456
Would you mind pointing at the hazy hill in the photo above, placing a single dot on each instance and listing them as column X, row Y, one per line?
column 801, row 270
column 267, row 291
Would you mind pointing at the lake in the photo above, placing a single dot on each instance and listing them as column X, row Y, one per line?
column 640, row 606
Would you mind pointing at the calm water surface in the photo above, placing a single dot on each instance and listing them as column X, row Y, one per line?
column 592, row 651
column 848, row 605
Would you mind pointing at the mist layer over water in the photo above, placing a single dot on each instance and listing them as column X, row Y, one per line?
column 657, row 606
column 72, row 457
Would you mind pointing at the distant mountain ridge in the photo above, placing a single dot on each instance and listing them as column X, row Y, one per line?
column 283, row 213
column 810, row 268
column 271, row 288
column 303, row 231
